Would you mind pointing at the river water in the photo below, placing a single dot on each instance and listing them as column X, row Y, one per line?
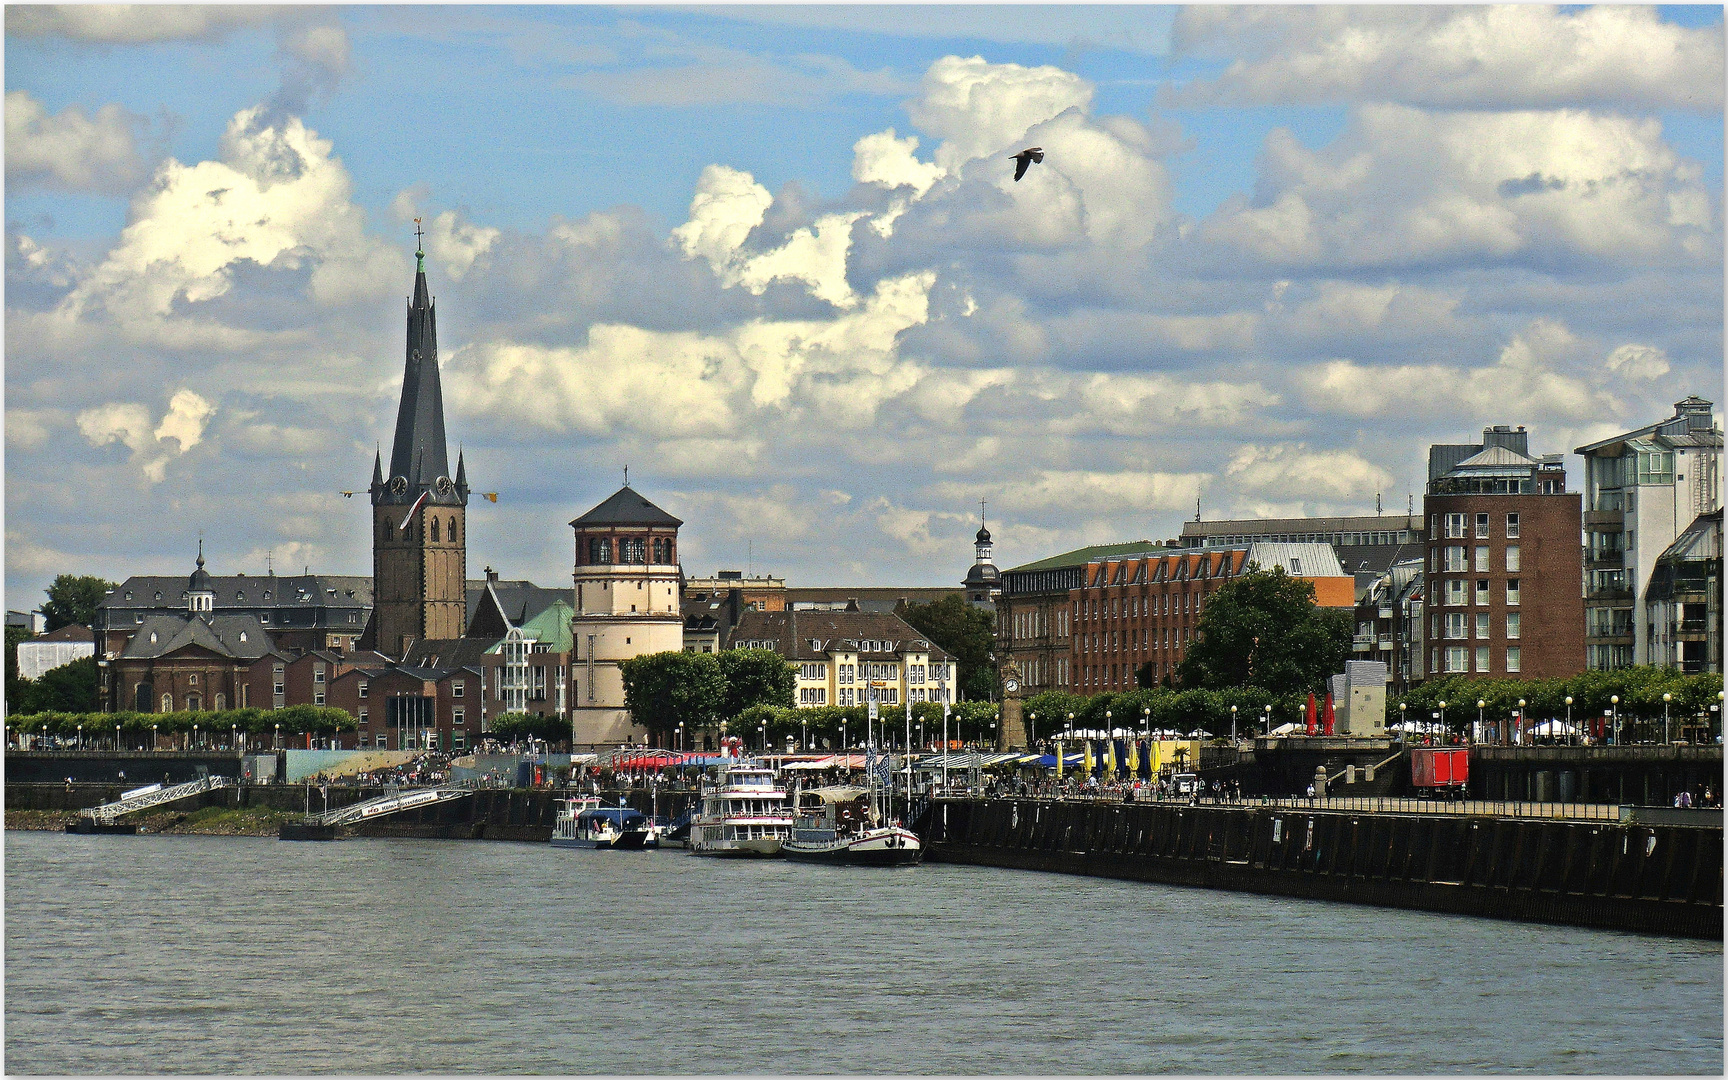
column 239, row 955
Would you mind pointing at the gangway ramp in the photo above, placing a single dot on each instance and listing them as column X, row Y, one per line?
column 383, row 805
column 108, row 812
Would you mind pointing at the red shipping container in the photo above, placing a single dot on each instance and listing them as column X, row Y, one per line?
column 1435, row 767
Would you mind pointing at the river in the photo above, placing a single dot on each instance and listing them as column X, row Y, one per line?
column 188, row 954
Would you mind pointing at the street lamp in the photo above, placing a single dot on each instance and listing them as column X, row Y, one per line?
column 762, row 734
column 1520, row 715
column 1146, row 720
column 1480, row 705
column 234, row 737
column 276, row 741
column 1442, row 720
column 804, row 736
column 1570, row 731
column 1268, row 721
column 153, row 742
column 1070, row 725
column 1232, row 725
column 81, row 733
column 194, row 734
column 1614, row 714
column 1666, row 698
column 1403, row 720
column 116, row 737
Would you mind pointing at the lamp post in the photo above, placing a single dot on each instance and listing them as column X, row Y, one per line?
column 1519, row 728
column 276, row 740
column 81, row 733
column 1403, row 720
column 1268, row 721
column 153, row 742
column 1232, row 725
column 843, row 745
column 680, row 736
column 1146, row 720
column 1110, row 730
column 1570, row 731
column 762, row 734
column 1442, row 720
column 1614, row 714
column 194, row 735
column 116, row 737
column 1070, row 725
column 1480, row 705
column 1666, row 698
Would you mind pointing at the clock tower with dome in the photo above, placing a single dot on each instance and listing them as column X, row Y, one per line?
column 419, row 510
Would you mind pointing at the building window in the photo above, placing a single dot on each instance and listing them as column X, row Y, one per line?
column 1511, row 526
column 318, row 674
column 192, row 678
column 1512, row 559
column 456, row 688
column 361, row 717
column 1514, row 624
column 167, row 702
column 1511, row 592
column 599, row 551
column 1481, row 592
column 318, row 698
column 1453, row 561
column 632, row 550
column 1482, row 626
column 434, row 530
column 1482, row 659
column 1455, row 594
column 456, row 716
column 1482, row 558
column 363, row 685
column 1454, row 526
column 1514, row 658
column 452, row 533
column 1481, row 526
column 1456, row 626
column 1457, row 659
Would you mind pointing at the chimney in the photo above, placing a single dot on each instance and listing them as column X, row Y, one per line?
column 851, row 603
column 491, row 576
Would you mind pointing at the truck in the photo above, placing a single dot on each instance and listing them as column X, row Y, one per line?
column 1439, row 771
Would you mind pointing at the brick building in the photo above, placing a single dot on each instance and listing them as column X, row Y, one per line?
column 1144, row 609
column 1034, row 612
column 1504, row 589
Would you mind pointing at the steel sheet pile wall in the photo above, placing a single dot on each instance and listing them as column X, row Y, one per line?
column 1649, row 878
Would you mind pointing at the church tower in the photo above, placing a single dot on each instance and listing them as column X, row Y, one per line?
column 419, row 512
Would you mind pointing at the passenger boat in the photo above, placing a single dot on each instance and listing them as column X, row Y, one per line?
column 744, row 813
column 840, row 825
column 583, row 823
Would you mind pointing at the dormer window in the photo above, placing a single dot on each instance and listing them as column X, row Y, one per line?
column 152, row 637
column 242, row 635
column 158, row 596
column 266, row 594
column 128, row 596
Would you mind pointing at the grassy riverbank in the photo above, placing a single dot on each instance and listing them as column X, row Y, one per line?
column 210, row 821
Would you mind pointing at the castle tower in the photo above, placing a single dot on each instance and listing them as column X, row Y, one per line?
column 627, row 590
column 419, row 514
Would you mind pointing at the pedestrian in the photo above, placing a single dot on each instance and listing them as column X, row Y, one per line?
column 1310, row 792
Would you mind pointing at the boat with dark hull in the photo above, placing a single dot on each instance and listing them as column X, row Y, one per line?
column 839, row 825
column 584, row 823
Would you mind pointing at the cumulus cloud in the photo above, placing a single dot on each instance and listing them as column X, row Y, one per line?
column 1407, row 187
column 72, row 150
column 892, row 162
column 276, row 199
column 1340, row 475
column 452, row 243
column 979, row 108
column 128, row 423
column 1639, row 362
column 1514, row 56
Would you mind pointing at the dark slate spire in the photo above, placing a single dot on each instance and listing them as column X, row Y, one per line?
column 461, row 476
column 419, row 455
column 377, row 472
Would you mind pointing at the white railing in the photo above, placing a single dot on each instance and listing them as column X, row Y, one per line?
column 107, row 812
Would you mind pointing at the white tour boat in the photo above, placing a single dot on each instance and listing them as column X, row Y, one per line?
column 745, row 813
column 842, row 825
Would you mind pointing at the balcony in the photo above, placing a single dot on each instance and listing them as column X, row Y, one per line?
column 1362, row 643
column 1605, row 560
column 1609, row 593
column 1605, row 519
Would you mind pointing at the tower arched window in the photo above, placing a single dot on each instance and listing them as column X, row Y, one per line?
column 599, row 551
column 167, row 702
column 632, row 550
column 384, row 529
column 452, row 531
column 434, row 530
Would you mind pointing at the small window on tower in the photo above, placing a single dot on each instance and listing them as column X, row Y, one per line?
column 434, row 530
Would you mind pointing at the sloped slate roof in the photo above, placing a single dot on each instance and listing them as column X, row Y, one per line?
column 519, row 601
column 450, row 653
column 838, row 631
column 220, row 634
column 626, row 507
column 1496, row 456
column 1082, row 556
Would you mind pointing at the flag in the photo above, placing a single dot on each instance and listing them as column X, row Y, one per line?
column 411, row 510
column 885, row 770
column 489, row 496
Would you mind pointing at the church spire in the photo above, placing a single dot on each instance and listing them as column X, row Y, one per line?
column 419, row 455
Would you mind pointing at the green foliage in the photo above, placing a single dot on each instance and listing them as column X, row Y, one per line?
column 664, row 689
column 73, row 687
column 1264, row 629
column 72, row 600
column 14, row 685
column 295, row 720
column 754, row 677
column 514, row 727
column 1640, row 690
column 968, row 721
column 964, row 631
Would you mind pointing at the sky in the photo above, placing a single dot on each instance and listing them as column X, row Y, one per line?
column 773, row 259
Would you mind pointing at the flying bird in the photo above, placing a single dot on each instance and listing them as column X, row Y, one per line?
column 1024, row 159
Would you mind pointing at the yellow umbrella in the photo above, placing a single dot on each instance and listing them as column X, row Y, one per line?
column 1058, row 759
column 1086, row 759
column 1109, row 759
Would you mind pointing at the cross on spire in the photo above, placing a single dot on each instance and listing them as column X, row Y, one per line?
column 980, row 511
column 626, row 476
column 417, row 244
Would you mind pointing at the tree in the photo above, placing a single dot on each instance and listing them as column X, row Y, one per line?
column 70, row 687
column 514, row 726
column 754, row 677
column 964, row 631
column 14, row 685
column 72, row 600
column 664, row 689
column 1263, row 629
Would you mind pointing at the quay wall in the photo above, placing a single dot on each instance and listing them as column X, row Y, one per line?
column 1646, row 878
